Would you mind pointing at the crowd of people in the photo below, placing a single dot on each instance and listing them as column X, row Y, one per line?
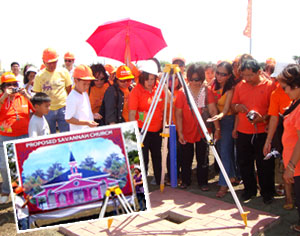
column 251, row 113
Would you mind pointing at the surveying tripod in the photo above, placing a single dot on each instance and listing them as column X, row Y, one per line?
column 112, row 192
column 174, row 70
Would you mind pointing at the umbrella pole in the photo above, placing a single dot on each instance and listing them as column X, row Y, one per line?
column 212, row 146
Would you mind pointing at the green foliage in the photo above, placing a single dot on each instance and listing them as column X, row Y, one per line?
column 130, row 135
column 89, row 164
column 133, row 157
column 11, row 161
column 296, row 59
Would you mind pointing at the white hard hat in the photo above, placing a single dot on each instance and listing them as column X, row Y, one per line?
column 148, row 66
column 31, row 69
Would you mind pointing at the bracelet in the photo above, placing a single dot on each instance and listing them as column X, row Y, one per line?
column 236, row 106
column 217, row 128
column 290, row 162
column 291, row 169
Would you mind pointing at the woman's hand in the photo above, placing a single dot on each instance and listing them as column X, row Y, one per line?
column 97, row 116
column 24, row 92
column 216, row 117
column 234, row 134
column 267, row 147
column 181, row 138
column 288, row 176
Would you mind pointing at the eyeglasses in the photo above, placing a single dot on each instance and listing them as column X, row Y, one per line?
column 195, row 79
column 11, row 84
column 68, row 60
column 101, row 79
column 221, row 74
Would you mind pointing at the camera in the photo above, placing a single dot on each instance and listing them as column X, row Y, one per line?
column 251, row 115
column 15, row 90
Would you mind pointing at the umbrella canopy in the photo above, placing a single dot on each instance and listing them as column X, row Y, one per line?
column 127, row 40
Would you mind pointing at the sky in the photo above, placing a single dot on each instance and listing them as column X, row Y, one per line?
column 199, row 30
column 97, row 148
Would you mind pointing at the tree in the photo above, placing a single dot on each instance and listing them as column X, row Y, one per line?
column 296, row 59
column 110, row 159
column 130, row 134
column 88, row 164
column 39, row 173
column 54, row 170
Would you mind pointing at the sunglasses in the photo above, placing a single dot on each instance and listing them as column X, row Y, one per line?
column 196, row 79
column 125, row 81
column 11, row 84
column 221, row 74
column 68, row 60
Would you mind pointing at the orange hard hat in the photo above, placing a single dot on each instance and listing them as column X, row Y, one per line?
column 50, row 55
column 8, row 77
column 237, row 58
column 83, row 72
column 19, row 190
column 14, row 184
column 69, row 56
column 110, row 69
column 270, row 61
column 124, row 72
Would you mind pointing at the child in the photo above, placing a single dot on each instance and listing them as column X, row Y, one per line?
column 139, row 189
column 78, row 109
column 22, row 208
column 38, row 124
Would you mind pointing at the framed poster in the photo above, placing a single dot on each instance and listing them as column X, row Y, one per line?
column 68, row 172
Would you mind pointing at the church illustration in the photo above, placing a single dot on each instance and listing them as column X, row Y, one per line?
column 75, row 186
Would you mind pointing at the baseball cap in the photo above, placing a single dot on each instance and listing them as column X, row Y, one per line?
column 19, row 190
column 279, row 68
column 124, row 72
column 109, row 68
column 31, row 69
column 8, row 77
column 137, row 167
column 50, row 55
column 149, row 66
column 69, row 56
column 178, row 59
column 83, row 72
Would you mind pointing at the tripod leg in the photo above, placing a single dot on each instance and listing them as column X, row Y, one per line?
column 104, row 206
column 212, row 146
column 123, row 204
column 126, row 202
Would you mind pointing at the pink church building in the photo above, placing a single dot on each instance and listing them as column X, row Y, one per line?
column 74, row 187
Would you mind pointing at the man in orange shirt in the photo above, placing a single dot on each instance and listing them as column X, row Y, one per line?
column 251, row 101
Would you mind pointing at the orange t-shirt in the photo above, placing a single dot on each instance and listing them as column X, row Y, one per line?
column 290, row 137
column 125, row 112
column 96, row 97
column 255, row 98
column 15, row 116
column 278, row 102
column 140, row 100
column 190, row 125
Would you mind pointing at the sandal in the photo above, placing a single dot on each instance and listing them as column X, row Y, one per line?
column 204, row 188
column 222, row 192
column 296, row 228
column 288, row 206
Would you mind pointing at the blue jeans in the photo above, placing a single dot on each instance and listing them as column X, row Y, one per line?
column 225, row 148
column 57, row 116
column 142, row 201
column 3, row 164
column 23, row 223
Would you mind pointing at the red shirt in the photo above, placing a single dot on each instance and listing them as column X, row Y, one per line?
column 190, row 127
column 255, row 98
column 140, row 100
column 14, row 116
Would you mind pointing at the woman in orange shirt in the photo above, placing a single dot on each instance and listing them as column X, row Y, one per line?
column 223, row 90
column 190, row 135
column 140, row 100
column 97, row 88
column 15, row 109
column 289, row 80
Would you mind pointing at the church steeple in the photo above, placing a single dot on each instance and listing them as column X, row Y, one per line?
column 73, row 168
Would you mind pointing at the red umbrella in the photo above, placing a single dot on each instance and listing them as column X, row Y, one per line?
column 127, row 40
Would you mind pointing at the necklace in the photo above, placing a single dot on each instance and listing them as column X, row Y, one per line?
column 11, row 102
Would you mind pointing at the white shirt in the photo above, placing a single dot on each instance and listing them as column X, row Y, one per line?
column 78, row 106
column 38, row 126
column 21, row 212
column 20, row 80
